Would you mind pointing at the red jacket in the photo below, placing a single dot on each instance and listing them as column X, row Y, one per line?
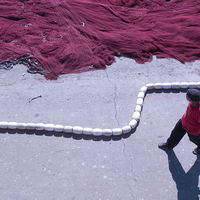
column 191, row 120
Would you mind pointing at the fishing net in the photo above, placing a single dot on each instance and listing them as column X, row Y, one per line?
column 54, row 37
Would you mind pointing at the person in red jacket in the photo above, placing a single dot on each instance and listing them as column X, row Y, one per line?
column 190, row 123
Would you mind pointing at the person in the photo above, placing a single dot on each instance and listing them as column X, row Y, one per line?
column 189, row 123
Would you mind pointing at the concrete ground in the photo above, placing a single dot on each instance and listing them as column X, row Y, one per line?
column 39, row 165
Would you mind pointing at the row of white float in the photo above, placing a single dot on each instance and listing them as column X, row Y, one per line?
column 97, row 131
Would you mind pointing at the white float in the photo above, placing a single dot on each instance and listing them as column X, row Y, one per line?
column 158, row 86
column 68, row 129
column 97, row 132
column 133, row 123
column 141, row 95
column 117, row 131
column 3, row 124
column 58, row 128
column 126, row 129
column 143, row 89
column 136, row 115
column 77, row 129
column 193, row 85
column 166, row 85
column 49, row 127
column 140, row 101
column 150, row 86
column 12, row 125
column 107, row 132
column 87, row 131
column 21, row 126
column 184, row 85
column 138, row 108
column 198, row 84
column 30, row 126
column 176, row 85
column 39, row 126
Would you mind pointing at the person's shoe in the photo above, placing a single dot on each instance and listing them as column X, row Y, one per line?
column 196, row 151
column 162, row 145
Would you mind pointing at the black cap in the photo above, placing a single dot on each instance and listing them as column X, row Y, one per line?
column 194, row 95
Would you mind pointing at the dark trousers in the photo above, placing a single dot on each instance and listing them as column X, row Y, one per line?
column 177, row 134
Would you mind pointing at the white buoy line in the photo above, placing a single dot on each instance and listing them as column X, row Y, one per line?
column 97, row 131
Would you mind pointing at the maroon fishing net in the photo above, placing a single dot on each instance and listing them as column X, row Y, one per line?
column 54, row 37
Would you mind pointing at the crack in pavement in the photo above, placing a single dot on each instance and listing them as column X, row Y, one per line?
column 114, row 99
column 123, row 147
column 132, row 171
column 131, row 160
column 115, row 105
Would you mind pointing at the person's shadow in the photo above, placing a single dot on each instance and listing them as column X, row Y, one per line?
column 186, row 182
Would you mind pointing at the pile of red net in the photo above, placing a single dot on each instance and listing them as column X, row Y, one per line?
column 66, row 36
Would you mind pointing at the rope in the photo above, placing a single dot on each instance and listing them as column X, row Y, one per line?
column 106, row 132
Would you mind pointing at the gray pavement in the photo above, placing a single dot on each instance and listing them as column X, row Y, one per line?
column 39, row 165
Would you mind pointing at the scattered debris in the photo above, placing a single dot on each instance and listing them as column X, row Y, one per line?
column 35, row 98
